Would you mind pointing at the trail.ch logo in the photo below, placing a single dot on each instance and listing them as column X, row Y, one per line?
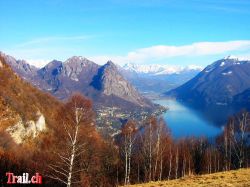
column 23, row 179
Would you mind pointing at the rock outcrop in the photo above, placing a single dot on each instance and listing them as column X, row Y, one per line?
column 22, row 131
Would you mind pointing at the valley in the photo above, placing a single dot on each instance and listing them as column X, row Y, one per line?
column 110, row 119
column 124, row 93
column 120, row 128
column 120, row 93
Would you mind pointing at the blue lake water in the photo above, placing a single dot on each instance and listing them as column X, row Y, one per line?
column 185, row 122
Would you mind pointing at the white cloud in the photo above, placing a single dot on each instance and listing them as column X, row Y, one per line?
column 160, row 52
column 148, row 55
column 195, row 49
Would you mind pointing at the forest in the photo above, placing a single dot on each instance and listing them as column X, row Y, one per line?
column 74, row 153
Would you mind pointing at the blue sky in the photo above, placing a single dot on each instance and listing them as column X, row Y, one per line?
column 178, row 32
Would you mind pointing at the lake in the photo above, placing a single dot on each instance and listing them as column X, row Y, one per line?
column 184, row 121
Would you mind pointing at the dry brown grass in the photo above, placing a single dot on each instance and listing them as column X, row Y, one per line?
column 234, row 178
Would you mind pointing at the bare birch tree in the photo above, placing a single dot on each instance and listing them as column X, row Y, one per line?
column 128, row 137
column 238, row 132
column 148, row 146
column 170, row 161
column 75, row 115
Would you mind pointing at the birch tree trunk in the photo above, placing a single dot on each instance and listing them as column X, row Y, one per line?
column 170, row 163
column 161, row 163
column 150, row 151
column 176, row 163
column 72, row 156
column 157, row 152
column 74, row 114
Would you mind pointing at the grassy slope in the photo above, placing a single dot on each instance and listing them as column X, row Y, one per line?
column 235, row 178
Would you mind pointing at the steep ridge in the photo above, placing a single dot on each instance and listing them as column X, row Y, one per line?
column 110, row 82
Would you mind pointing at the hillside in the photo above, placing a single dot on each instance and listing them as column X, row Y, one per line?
column 25, row 111
column 32, row 131
column 235, row 178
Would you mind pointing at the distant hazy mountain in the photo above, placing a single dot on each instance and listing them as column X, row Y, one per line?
column 158, row 78
column 103, row 84
column 156, row 69
column 225, row 82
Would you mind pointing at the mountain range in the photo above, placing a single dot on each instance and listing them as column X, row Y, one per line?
column 103, row 84
column 158, row 78
column 115, row 99
column 226, row 82
column 157, row 69
column 61, row 78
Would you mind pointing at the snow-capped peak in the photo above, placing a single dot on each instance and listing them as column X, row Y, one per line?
column 232, row 57
column 143, row 68
column 157, row 69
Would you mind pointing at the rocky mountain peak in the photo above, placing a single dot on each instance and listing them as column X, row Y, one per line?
column 110, row 66
column 110, row 82
column 51, row 69
column 235, row 58
column 53, row 64
column 225, row 63
column 76, row 60
column 110, row 63
column 76, row 65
